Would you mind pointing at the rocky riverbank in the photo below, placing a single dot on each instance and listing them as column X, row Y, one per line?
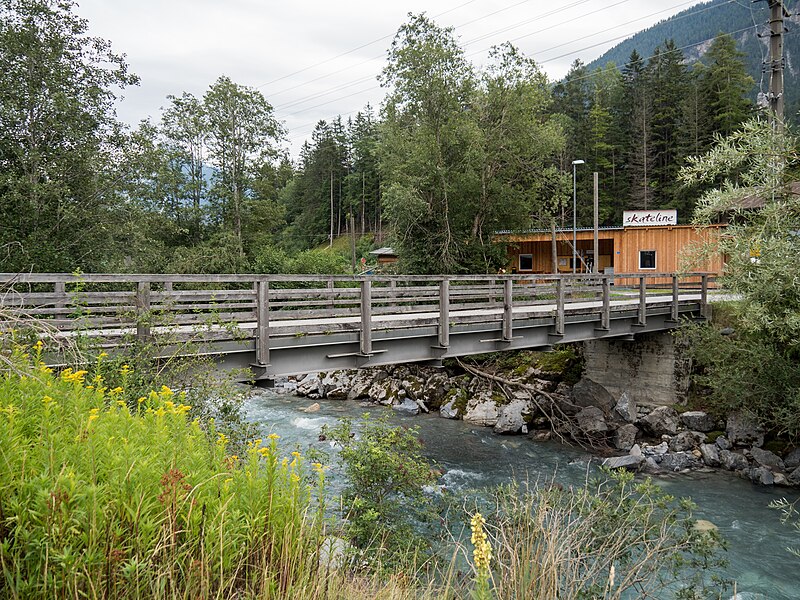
column 532, row 400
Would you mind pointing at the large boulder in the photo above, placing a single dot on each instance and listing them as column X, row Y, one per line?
column 710, row 454
column 625, row 437
column 591, row 421
column 661, row 421
column 448, row 410
column 387, row 392
column 414, row 387
column 407, row 407
column 626, row 408
column 362, row 382
column 742, row 431
column 792, row 460
column 686, row 440
column 629, row 462
column 794, row 477
column 761, row 476
column 678, row 461
column 482, row 409
column 335, row 385
column 697, row 420
column 437, row 385
column 309, row 386
column 767, row 459
column 733, row 461
column 587, row 393
column 513, row 416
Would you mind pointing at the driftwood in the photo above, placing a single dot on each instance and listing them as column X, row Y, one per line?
column 558, row 419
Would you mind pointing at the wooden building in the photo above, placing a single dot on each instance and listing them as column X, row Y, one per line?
column 647, row 246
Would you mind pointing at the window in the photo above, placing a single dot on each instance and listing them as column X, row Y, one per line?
column 526, row 262
column 647, row 259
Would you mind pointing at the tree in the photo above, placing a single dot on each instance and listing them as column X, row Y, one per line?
column 242, row 132
column 636, row 78
column 725, row 84
column 428, row 129
column 757, row 370
column 58, row 138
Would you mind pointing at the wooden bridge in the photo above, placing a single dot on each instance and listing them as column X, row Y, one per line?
column 287, row 324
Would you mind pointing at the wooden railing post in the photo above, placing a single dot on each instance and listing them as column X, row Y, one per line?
column 508, row 309
column 61, row 293
column 675, row 298
column 704, row 296
column 262, row 319
column 642, row 317
column 143, row 311
column 560, row 306
column 605, row 316
column 366, row 317
column 444, row 313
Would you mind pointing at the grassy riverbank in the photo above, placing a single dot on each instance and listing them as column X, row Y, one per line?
column 103, row 498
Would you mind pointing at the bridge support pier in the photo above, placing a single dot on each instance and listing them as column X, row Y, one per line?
column 652, row 368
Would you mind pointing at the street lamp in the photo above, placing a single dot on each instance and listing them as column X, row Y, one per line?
column 575, row 163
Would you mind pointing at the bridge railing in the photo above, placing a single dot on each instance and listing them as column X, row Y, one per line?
column 254, row 309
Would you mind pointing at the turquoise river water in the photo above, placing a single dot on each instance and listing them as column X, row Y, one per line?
column 473, row 457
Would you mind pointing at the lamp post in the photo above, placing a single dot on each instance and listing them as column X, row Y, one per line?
column 575, row 163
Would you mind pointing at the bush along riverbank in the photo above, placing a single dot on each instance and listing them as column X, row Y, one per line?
column 543, row 395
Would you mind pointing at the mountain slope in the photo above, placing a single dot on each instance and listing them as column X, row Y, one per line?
column 695, row 28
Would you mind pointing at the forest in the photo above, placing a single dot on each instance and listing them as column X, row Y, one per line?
column 454, row 154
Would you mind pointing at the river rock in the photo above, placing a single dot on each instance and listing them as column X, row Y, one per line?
column 407, row 407
column 335, row 385
column 626, row 408
column 657, row 450
column 482, row 410
column 587, row 393
column 723, row 443
column 733, row 461
column 650, row 465
column 311, row 409
column 414, row 387
column 703, row 525
column 767, row 459
column 625, row 437
column 710, row 454
column 794, row 477
column 780, row 479
column 761, row 476
column 309, row 386
column 512, row 416
column 361, row 383
column 686, row 440
column 661, row 421
column 678, row 461
column 448, row 410
column 741, row 431
column 792, row 460
column 387, row 392
column 697, row 420
column 632, row 463
column 591, row 421
column 437, row 385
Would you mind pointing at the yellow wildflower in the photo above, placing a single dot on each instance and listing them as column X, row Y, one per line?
column 274, row 436
column 125, row 370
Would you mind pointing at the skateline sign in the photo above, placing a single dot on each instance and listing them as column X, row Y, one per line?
column 649, row 218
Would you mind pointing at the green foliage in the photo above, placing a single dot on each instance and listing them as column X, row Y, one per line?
column 384, row 502
column 320, row 261
column 59, row 138
column 614, row 538
column 755, row 370
column 98, row 499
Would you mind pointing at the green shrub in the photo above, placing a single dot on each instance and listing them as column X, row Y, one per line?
column 100, row 500
column 384, row 502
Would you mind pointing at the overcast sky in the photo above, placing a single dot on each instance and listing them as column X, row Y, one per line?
column 317, row 59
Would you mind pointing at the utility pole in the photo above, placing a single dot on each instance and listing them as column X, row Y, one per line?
column 777, row 12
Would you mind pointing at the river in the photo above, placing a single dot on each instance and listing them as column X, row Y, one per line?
column 473, row 457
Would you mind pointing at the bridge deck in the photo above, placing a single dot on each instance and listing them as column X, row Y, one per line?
column 281, row 324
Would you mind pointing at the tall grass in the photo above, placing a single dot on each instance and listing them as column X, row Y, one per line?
column 99, row 500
